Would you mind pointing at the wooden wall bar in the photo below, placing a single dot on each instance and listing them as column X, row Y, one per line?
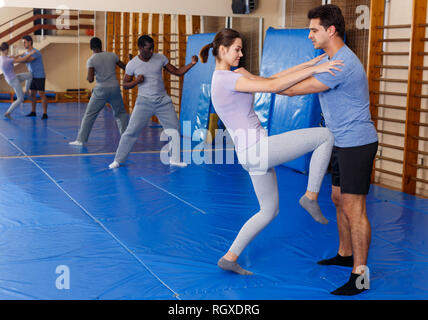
column 125, row 55
column 155, row 30
column 134, row 52
column 377, row 16
column 411, row 149
column 167, row 49
column 117, row 38
column 196, row 24
column 110, row 31
column 414, row 92
column 182, row 42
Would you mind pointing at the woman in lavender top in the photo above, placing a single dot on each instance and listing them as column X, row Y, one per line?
column 14, row 80
column 258, row 153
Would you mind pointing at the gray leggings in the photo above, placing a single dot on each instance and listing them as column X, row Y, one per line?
column 144, row 109
column 16, row 85
column 276, row 150
column 100, row 96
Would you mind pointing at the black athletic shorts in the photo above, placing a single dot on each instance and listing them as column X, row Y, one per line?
column 38, row 84
column 352, row 168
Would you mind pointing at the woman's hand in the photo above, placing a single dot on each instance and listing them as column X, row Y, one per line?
column 329, row 66
column 317, row 59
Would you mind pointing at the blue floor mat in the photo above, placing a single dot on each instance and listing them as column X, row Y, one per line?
column 152, row 231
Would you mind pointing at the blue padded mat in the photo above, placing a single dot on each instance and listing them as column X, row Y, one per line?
column 151, row 231
column 196, row 94
column 51, row 136
column 282, row 113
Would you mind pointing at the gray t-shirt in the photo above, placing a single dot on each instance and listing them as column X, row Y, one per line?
column 104, row 64
column 152, row 86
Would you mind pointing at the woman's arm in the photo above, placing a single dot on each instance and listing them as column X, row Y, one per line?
column 307, row 86
column 21, row 59
column 299, row 67
column 277, row 85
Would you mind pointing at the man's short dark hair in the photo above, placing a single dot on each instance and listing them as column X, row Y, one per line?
column 143, row 40
column 95, row 43
column 28, row 38
column 329, row 15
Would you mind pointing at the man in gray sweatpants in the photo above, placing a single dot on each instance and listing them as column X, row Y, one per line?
column 152, row 98
column 103, row 66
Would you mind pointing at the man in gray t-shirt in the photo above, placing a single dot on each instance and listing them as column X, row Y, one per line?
column 345, row 103
column 102, row 65
column 152, row 87
column 145, row 71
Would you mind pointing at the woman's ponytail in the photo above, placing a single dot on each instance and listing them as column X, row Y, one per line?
column 225, row 37
column 4, row 46
column 203, row 54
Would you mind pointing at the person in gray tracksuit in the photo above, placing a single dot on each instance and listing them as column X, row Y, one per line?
column 145, row 71
column 102, row 65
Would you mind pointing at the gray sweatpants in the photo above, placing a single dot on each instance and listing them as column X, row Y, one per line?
column 100, row 96
column 144, row 109
column 276, row 150
column 17, row 87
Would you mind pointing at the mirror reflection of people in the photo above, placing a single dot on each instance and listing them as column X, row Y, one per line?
column 38, row 81
column 13, row 79
column 102, row 66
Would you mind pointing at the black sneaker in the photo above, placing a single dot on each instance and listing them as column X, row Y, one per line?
column 31, row 114
column 351, row 288
column 338, row 260
column 44, row 116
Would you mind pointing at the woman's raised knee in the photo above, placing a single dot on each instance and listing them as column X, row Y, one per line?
column 329, row 138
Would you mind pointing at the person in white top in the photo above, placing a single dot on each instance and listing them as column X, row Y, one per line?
column 145, row 71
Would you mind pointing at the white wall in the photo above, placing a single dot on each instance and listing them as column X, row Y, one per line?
column 190, row 7
column 269, row 10
column 9, row 13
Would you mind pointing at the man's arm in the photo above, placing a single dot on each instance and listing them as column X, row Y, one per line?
column 121, row 65
column 91, row 75
column 181, row 71
column 128, row 83
column 282, row 73
column 307, row 86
